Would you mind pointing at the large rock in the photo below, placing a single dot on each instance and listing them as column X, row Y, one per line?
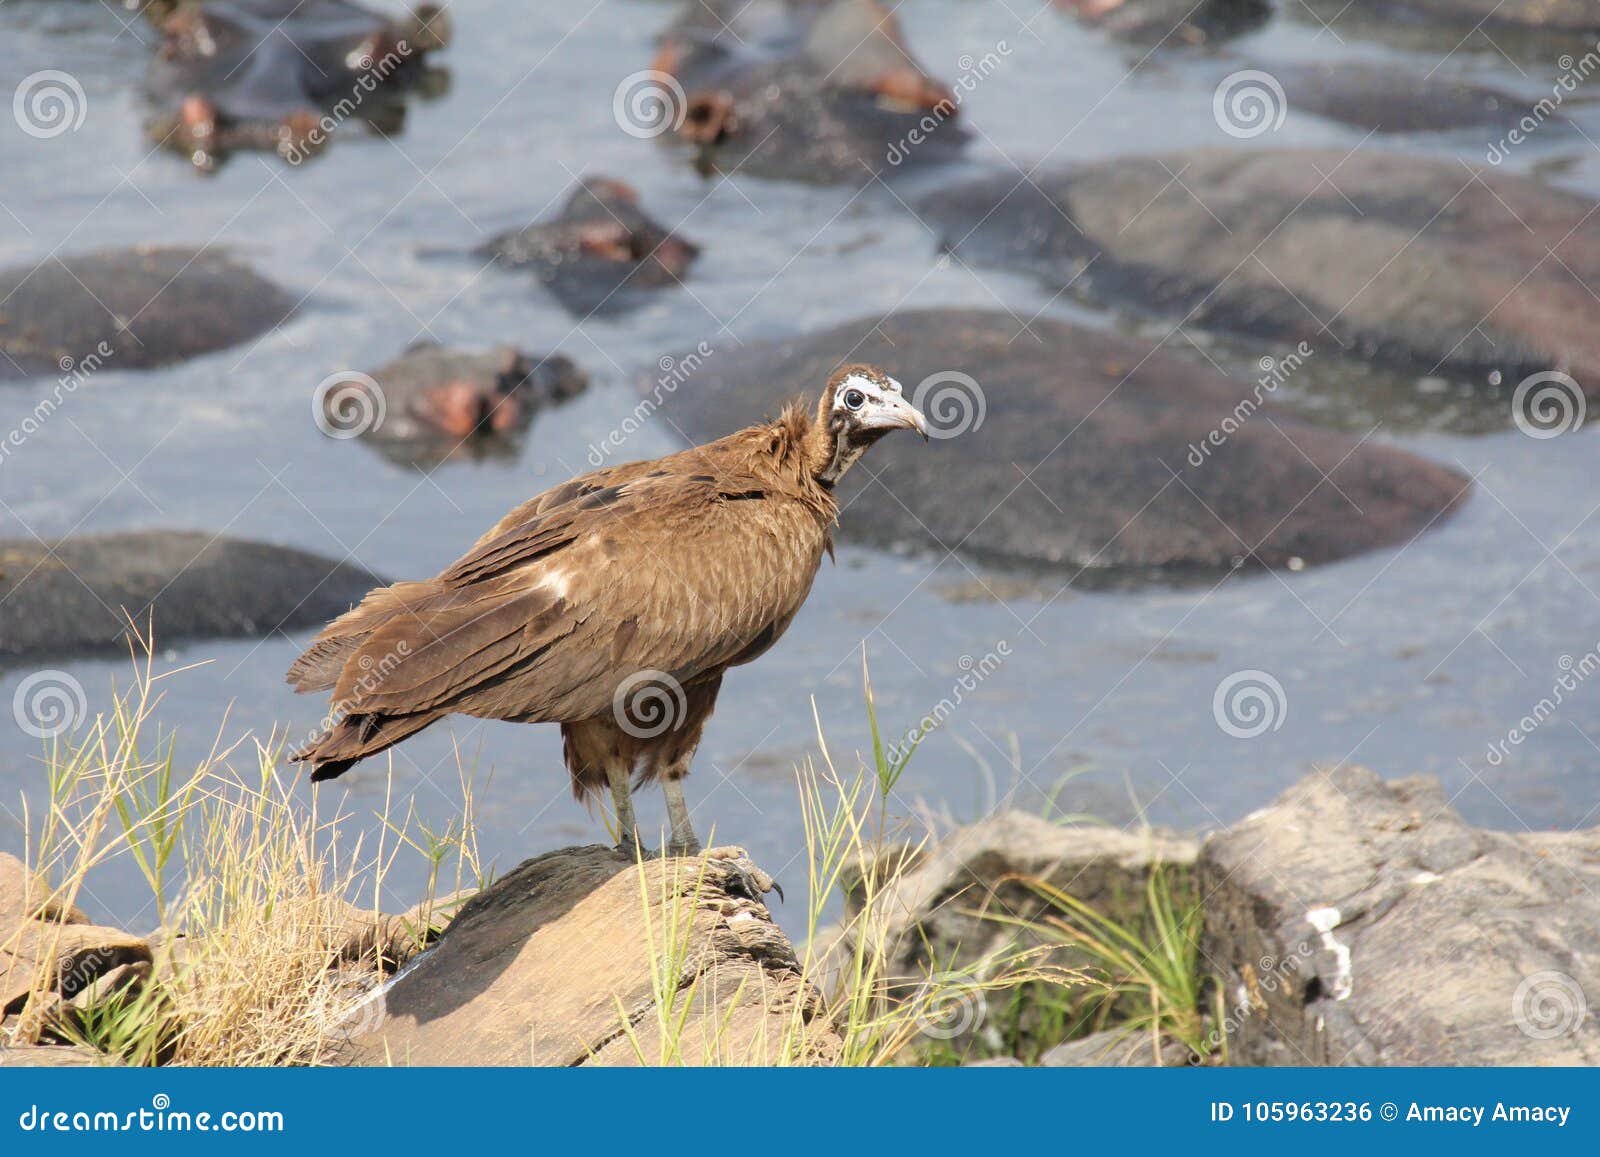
column 1555, row 17
column 562, row 962
column 54, row 1057
column 25, row 895
column 61, row 960
column 78, row 594
column 1417, row 263
column 1364, row 922
column 70, row 317
column 1396, row 98
column 957, row 912
column 1065, row 445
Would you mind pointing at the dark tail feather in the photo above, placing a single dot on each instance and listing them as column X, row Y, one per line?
column 354, row 738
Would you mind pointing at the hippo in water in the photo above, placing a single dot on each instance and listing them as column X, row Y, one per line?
column 1149, row 23
column 1423, row 265
column 599, row 252
column 820, row 90
column 435, row 403
column 130, row 309
column 281, row 75
column 1059, row 446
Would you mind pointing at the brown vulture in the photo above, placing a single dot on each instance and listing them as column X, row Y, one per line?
column 610, row 604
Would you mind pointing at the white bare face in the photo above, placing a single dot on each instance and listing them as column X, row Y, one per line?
column 875, row 401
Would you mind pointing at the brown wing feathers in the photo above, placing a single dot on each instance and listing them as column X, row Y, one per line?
column 684, row 564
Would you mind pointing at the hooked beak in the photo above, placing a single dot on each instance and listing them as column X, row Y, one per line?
column 899, row 414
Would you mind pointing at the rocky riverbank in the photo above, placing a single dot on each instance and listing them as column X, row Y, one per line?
column 1353, row 921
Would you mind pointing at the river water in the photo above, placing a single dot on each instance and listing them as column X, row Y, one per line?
column 1412, row 660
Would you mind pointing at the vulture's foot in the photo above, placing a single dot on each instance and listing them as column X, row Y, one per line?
column 635, row 849
column 688, row 847
column 749, row 880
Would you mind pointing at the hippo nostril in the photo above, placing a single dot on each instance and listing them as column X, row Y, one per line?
column 457, row 409
column 198, row 117
column 709, row 118
column 908, row 86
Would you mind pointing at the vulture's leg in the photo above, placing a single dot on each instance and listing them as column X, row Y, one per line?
column 683, row 840
column 617, row 775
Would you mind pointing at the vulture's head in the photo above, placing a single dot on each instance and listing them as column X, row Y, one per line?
column 859, row 405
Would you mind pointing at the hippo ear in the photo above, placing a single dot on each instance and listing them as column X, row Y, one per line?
column 510, row 362
column 422, row 343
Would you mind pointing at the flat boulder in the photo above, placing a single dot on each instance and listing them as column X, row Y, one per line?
column 1065, row 446
column 130, row 309
column 1555, row 17
column 1422, row 264
column 562, row 962
column 1396, row 98
column 76, row 595
column 1359, row 921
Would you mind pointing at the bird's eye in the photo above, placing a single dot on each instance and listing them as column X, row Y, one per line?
column 854, row 399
